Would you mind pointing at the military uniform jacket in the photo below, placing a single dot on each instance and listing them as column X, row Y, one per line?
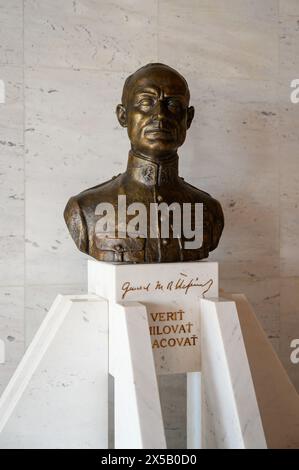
column 147, row 182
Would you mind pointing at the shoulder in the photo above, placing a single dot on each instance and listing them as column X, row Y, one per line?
column 107, row 191
column 75, row 221
column 212, row 209
column 100, row 187
column 217, row 217
column 78, row 210
column 197, row 193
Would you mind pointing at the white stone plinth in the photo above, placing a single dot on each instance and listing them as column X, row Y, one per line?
column 230, row 413
column 194, row 410
column 171, row 293
column 58, row 396
column 136, row 397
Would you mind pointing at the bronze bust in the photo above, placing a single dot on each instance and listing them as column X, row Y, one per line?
column 155, row 110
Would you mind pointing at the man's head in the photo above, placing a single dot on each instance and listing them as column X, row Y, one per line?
column 155, row 109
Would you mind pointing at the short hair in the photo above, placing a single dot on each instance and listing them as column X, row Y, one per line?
column 130, row 79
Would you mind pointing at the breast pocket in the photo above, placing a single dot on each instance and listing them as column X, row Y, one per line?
column 120, row 250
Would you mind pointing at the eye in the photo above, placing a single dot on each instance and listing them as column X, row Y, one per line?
column 146, row 102
column 174, row 105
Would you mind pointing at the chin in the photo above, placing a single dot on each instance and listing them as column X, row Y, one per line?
column 161, row 146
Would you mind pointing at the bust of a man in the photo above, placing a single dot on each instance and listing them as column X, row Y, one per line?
column 102, row 220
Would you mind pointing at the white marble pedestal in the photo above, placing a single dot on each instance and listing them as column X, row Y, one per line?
column 139, row 321
column 154, row 328
column 169, row 293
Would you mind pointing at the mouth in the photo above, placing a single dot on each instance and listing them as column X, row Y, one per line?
column 157, row 133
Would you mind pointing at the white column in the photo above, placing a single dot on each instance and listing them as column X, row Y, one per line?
column 194, row 410
column 231, row 416
column 138, row 416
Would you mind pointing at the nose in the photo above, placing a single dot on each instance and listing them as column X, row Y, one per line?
column 161, row 109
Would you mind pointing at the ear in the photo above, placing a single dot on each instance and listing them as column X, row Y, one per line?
column 121, row 115
column 190, row 116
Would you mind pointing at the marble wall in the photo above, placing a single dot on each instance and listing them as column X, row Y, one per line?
column 12, row 187
column 64, row 63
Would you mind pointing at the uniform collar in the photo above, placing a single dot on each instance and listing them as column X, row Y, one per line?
column 151, row 173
